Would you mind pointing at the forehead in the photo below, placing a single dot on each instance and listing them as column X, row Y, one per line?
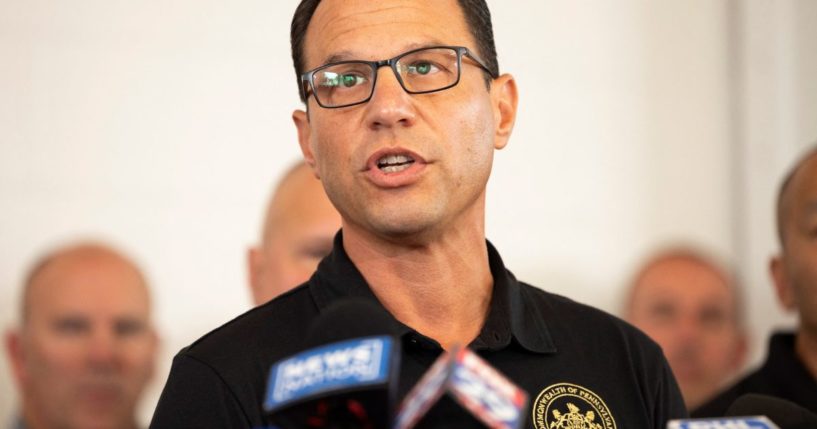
column 88, row 285
column 366, row 29
column 683, row 278
column 803, row 191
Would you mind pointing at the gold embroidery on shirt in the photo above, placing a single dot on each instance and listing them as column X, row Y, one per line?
column 570, row 406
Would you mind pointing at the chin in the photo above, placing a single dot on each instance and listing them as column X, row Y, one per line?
column 400, row 219
column 405, row 228
column 104, row 423
column 108, row 415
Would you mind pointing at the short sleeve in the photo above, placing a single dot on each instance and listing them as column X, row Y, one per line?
column 195, row 396
column 669, row 404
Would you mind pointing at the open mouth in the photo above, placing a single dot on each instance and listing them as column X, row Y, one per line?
column 394, row 163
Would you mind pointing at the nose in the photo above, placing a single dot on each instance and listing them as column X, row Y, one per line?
column 390, row 106
column 688, row 330
column 102, row 349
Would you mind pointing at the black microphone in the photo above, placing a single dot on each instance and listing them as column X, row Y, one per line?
column 754, row 411
column 471, row 391
column 346, row 377
column 783, row 413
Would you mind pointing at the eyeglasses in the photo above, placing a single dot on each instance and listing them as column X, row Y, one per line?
column 419, row 71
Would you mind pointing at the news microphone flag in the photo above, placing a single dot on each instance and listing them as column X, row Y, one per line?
column 425, row 393
column 756, row 422
column 474, row 384
column 341, row 366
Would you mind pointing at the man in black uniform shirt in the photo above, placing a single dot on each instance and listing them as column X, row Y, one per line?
column 404, row 148
column 790, row 370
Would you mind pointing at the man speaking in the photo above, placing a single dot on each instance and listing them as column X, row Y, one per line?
column 405, row 107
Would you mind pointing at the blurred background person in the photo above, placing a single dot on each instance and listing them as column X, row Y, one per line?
column 85, row 347
column 299, row 226
column 690, row 306
column 790, row 369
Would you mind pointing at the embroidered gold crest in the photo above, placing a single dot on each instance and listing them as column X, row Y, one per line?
column 568, row 406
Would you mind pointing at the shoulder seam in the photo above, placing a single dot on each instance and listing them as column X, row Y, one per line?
column 223, row 382
column 245, row 314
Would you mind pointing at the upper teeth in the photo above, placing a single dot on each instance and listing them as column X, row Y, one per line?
column 394, row 159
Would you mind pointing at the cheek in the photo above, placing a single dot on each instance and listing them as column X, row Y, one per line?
column 471, row 120
column 664, row 337
column 58, row 356
column 52, row 371
column 298, row 268
column 138, row 365
column 289, row 269
column 657, row 331
column 138, row 355
column 803, row 272
column 471, row 141
column 331, row 142
column 138, row 351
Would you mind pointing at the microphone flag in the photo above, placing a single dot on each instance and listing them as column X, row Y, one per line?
column 756, row 422
column 474, row 384
column 337, row 367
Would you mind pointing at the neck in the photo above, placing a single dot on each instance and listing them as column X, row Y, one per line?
column 806, row 348
column 441, row 287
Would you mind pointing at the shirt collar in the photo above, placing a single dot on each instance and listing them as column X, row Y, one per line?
column 512, row 315
column 783, row 360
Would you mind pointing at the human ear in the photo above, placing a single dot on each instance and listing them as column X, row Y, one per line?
column 16, row 355
column 504, row 98
column 782, row 285
column 301, row 120
column 254, row 267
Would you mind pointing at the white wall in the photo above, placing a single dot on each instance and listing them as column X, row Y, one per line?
column 622, row 142
column 161, row 125
column 775, row 110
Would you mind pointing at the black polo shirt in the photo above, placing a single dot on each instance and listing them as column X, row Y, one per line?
column 782, row 375
column 574, row 361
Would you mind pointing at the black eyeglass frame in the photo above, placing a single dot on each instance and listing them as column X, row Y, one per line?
column 308, row 82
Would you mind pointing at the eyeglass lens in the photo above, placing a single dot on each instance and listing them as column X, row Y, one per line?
column 426, row 70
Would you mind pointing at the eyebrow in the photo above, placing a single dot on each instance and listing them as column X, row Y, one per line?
column 350, row 56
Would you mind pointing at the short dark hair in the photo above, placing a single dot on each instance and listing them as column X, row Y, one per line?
column 477, row 16
column 783, row 205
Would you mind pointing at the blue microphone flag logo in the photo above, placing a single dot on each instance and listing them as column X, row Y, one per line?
column 338, row 366
column 757, row 422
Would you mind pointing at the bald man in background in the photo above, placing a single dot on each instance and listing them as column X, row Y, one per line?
column 690, row 307
column 85, row 347
column 790, row 369
column 299, row 226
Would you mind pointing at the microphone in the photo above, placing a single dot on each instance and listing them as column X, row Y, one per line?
column 755, row 411
column 488, row 397
column 756, row 422
column 346, row 378
column 785, row 414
